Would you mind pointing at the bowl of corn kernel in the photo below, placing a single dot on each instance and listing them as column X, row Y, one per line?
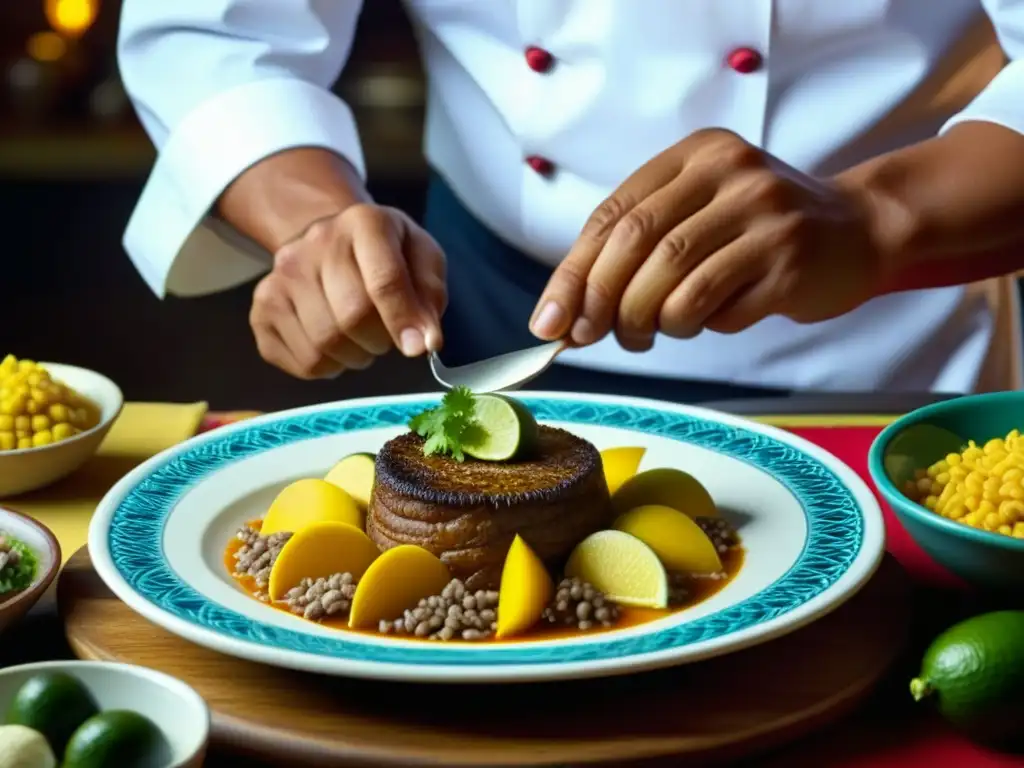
column 52, row 419
column 953, row 473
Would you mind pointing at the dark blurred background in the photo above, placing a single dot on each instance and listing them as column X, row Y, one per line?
column 73, row 159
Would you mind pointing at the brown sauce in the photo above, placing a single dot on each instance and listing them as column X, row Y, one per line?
column 700, row 590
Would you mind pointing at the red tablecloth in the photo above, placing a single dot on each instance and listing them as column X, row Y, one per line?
column 890, row 731
column 887, row 734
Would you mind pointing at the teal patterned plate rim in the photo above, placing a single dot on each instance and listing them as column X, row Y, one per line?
column 843, row 547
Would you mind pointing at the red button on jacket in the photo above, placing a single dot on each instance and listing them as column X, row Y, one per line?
column 745, row 60
column 541, row 165
column 538, row 59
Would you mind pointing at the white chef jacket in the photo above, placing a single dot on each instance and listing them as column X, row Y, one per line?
column 531, row 149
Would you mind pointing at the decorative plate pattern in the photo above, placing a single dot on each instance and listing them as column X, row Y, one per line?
column 834, row 517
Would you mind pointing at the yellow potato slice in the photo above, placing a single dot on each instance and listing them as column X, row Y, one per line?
column 526, row 590
column 620, row 464
column 310, row 501
column 395, row 582
column 679, row 542
column 321, row 550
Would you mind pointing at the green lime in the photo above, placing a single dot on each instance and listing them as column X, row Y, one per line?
column 53, row 704
column 504, row 429
column 974, row 672
column 115, row 737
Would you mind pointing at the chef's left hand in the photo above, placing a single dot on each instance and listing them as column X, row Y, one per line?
column 712, row 233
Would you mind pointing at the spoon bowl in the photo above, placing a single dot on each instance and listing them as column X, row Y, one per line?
column 506, row 372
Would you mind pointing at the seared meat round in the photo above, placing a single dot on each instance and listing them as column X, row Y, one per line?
column 468, row 513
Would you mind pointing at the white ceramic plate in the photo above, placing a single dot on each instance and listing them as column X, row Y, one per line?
column 812, row 530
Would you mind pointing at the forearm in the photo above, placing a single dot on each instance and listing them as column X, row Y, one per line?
column 277, row 198
column 949, row 210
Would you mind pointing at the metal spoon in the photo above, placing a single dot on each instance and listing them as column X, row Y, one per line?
column 503, row 372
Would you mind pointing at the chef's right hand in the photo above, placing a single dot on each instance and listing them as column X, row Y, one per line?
column 346, row 290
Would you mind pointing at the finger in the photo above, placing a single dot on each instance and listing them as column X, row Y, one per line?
column 318, row 321
column 377, row 247
column 676, row 255
column 351, row 307
column 428, row 270
column 311, row 363
column 353, row 356
column 629, row 247
column 710, row 285
column 747, row 308
column 562, row 300
column 273, row 349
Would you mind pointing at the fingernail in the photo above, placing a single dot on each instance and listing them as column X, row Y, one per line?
column 433, row 340
column 583, row 332
column 549, row 321
column 411, row 342
column 637, row 343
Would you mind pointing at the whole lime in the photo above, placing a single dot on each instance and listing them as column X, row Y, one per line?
column 54, row 704
column 116, row 737
column 974, row 673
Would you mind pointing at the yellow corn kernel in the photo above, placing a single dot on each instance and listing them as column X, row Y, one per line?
column 40, row 422
column 6, row 422
column 59, row 412
column 26, row 366
column 42, row 438
column 954, row 511
column 63, row 431
column 931, row 502
column 20, row 433
column 40, row 396
column 24, row 442
column 1004, row 529
column 954, row 459
column 1011, row 511
column 23, row 423
column 993, row 445
column 991, row 521
column 973, row 519
column 8, row 442
column 1018, row 531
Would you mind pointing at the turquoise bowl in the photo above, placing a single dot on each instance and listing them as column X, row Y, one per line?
column 989, row 560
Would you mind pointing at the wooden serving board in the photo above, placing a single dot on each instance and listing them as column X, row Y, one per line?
column 719, row 709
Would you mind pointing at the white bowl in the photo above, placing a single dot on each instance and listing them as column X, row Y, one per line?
column 177, row 710
column 29, row 469
column 44, row 544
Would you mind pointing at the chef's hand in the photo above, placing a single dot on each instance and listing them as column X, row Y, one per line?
column 346, row 290
column 712, row 233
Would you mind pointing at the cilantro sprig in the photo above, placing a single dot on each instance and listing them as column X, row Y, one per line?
column 449, row 426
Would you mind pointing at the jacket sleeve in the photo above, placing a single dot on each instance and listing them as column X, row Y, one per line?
column 220, row 85
column 1002, row 100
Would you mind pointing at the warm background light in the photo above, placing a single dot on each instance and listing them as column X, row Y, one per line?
column 71, row 18
column 46, row 46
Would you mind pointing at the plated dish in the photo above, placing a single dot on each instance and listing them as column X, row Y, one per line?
column 545, row 538
column 811, row 535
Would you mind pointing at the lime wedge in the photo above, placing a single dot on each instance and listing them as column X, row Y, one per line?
column 623, row 567
column 504, row 429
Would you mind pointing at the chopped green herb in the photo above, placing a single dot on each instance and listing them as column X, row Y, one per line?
column 449, row 426
column 19, row 570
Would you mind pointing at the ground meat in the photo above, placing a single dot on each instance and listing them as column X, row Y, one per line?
column 316, row 599
column 678, row 588
column 257, row 554
column 8, row 555
column 721, row 532
column 577, row 603
column 457, row 613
